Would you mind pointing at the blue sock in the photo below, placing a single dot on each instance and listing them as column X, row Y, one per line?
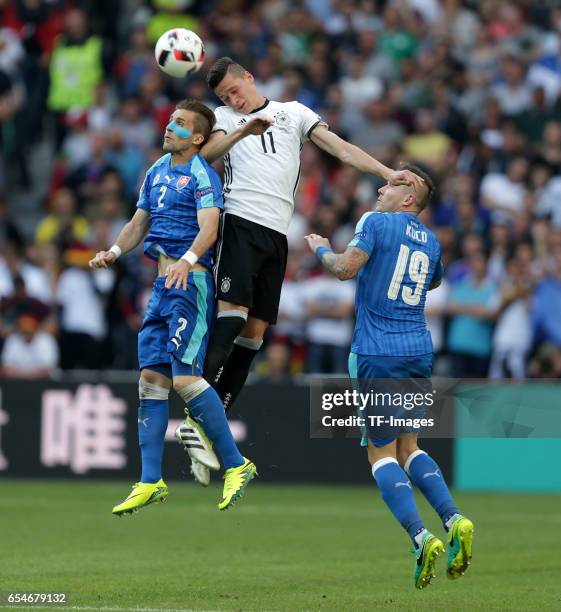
column 426, row 475
column 208, row 411
column 397, row 492
column 152, row 425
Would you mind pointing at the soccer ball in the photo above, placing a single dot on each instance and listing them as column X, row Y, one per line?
column 179, row 52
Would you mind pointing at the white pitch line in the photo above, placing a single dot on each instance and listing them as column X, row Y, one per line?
column 103, row 609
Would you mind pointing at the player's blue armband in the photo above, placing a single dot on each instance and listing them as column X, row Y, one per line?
column 321, row 251
column 208, row 188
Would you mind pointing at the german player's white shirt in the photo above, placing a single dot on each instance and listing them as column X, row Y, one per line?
column 261, row 172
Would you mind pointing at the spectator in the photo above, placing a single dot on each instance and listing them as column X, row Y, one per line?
column 156, row 103
column 358, row 87
column 378, row 64
column 276, row 366
column 550, row 149
column 532, row 121
column 428, row 145
column 291, row 325
column 512, row 339
column 503, row 194
column 435, row 311
column 329, row 305
column 380, row 132
column 269, row 83
column 76, row 69
column 63, row 225
column 513, row 93
column 138, row 131
column 496, row 269
column 29, row 352
column 397, row 40
column 133, row 65
column 472, row 244
column 547, row 304
column 548, row 196
column 80, row 291
column 77, row 145
column 472, row 307
column 463, row 26
column 128, row 159
column 12, row 265
column 20, row 304
column 169, row 14
column 110, row 211
column 545, row 72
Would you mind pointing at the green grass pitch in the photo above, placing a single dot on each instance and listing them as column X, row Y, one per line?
column 280, row 548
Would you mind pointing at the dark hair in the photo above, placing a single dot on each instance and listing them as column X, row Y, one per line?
column 204, row 117
column 219, row 70
column 422, row 203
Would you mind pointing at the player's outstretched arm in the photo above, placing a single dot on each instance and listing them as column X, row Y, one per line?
column 130, row 237
column 220, row 143
column 343, row 265
column 177, row 273
column 354, row 156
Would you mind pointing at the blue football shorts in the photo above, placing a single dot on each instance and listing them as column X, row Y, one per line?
column 174, row 335
column 384, row 373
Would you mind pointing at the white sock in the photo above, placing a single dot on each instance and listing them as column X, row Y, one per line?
column 419, row 537
column 451, row 521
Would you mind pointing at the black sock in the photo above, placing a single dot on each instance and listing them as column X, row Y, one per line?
column 236, row 369
column 225, row 330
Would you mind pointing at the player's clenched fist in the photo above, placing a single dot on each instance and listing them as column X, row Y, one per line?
column 103, row 259
column 176, row 274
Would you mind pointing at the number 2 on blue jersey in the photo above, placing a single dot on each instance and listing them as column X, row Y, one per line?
column 418, row 269
column 163, row 190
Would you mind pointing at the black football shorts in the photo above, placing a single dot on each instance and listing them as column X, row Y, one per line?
column 250, row 266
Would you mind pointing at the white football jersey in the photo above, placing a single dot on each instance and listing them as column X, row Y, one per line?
column 261, row 172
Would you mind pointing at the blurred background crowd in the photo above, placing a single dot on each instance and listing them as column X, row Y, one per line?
column 469, row 90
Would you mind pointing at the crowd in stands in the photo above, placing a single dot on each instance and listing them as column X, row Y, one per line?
column 469, row 90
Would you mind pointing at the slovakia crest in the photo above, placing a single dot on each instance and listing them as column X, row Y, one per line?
column 183, row 181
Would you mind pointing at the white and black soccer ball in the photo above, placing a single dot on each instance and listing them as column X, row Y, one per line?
column 179, row 52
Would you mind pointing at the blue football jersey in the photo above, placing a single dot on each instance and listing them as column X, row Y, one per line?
column 392, row 286
column 173, row 195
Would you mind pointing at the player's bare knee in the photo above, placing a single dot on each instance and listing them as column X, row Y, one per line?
column 226, row 306
column 403, row 454
column 151, row 377
column 254, row 329
column 406, row 446
column 377, row 453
